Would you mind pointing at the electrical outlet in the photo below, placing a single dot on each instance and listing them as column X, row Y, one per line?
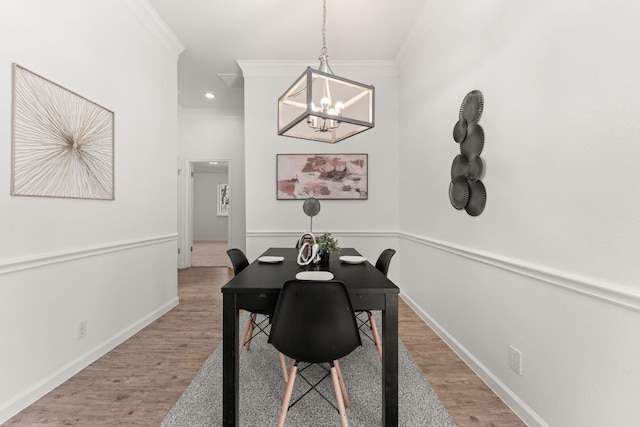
column 515, row 360
column 82, row 329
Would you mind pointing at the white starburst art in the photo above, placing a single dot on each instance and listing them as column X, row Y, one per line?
column 62, row 142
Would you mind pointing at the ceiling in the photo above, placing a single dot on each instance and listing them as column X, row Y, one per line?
column 211, row 167
column 217, row 33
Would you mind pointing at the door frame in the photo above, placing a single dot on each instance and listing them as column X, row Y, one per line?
column 185, row 214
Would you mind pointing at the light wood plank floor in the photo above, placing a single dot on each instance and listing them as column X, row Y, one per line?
column 138, row 382
column 209, row 253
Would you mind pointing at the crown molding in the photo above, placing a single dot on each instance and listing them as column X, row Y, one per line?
column 151, row 20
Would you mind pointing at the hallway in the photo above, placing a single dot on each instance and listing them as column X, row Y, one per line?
column 209, row 254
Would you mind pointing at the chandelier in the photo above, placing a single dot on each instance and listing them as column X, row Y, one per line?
column 321, row 106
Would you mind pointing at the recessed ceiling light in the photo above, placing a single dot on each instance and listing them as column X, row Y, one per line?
column 209, row 95
column 213, row 163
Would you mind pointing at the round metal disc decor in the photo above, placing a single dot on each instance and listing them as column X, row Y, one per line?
column 474, row 142
column 466, row 190
column 311, row 207
column 459, row 192
column 472, row 105
column 476, row 167
column 460, row 166
column 477, row 198
column 460, row 130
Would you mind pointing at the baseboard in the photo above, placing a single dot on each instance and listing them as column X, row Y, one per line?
column 519, row 407
column 22, row 400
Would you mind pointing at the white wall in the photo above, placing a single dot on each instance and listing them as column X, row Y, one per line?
column 213, row 135
column 207, row 225
column 550, row 266
column 111, row 263
column 272, row 222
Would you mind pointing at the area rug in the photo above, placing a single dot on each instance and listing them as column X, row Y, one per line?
column 262, row 387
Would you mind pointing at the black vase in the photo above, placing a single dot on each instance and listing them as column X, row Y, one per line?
column 324, row 257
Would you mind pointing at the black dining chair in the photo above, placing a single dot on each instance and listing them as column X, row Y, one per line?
column 314, row 323
column 239, row 262
column 382, row 264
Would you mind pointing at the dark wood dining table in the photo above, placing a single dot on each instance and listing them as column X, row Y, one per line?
column 257, row 288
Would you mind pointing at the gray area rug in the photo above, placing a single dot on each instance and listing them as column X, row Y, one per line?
column 262, row 388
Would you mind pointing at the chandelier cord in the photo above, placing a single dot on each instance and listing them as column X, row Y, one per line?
column 323, row 51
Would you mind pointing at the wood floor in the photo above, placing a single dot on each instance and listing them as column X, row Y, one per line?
column 210, row 253
column 138, row 382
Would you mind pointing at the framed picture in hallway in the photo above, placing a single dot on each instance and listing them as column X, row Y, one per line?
column 223, row 200
column 322, row 176
column 62, row 143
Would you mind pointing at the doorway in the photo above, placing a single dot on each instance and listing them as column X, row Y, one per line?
column 210, row 214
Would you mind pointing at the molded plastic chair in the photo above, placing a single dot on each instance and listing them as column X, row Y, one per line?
column 382, row 264
column 240, row 262
column 314, row 323
column 384, row 260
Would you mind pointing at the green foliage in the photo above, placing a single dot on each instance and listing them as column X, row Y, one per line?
column 328, row 243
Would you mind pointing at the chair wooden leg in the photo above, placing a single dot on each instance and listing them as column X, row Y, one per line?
column 338, row 391
column 244, row 336
column 253, row 318
column 343, row 388
column 287, row 395
column 283, row 364
column 376, row 337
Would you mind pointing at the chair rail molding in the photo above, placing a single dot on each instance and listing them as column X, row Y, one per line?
column 337, row 233
column 609, row 292
column 605, row 291
column 26, row 263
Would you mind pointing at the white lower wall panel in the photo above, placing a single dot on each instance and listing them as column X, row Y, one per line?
column 117, row 290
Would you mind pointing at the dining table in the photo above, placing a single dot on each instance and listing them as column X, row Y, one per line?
column 257, row 287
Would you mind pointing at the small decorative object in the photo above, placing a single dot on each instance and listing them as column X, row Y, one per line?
column 327, row 245
column 321, row 106
column 466, row 190
column 223, row 200
column 322, row 176
column 308, row 249
column 62, row 142
column 311, row 207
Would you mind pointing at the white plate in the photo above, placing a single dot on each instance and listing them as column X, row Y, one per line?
column 271, row 259
column 352, row 259
column 314, row 275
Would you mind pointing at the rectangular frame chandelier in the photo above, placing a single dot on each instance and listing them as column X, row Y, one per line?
column 321, row 106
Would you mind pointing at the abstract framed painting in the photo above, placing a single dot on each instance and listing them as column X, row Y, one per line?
column 322, row 176
column 223, row 200
column 62, row 143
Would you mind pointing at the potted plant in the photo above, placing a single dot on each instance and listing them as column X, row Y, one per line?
column 327, row 245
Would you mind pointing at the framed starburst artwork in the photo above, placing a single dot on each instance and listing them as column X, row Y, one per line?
column 62, row 143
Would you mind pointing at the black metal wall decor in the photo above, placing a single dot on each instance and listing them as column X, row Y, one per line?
column 466, row 190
